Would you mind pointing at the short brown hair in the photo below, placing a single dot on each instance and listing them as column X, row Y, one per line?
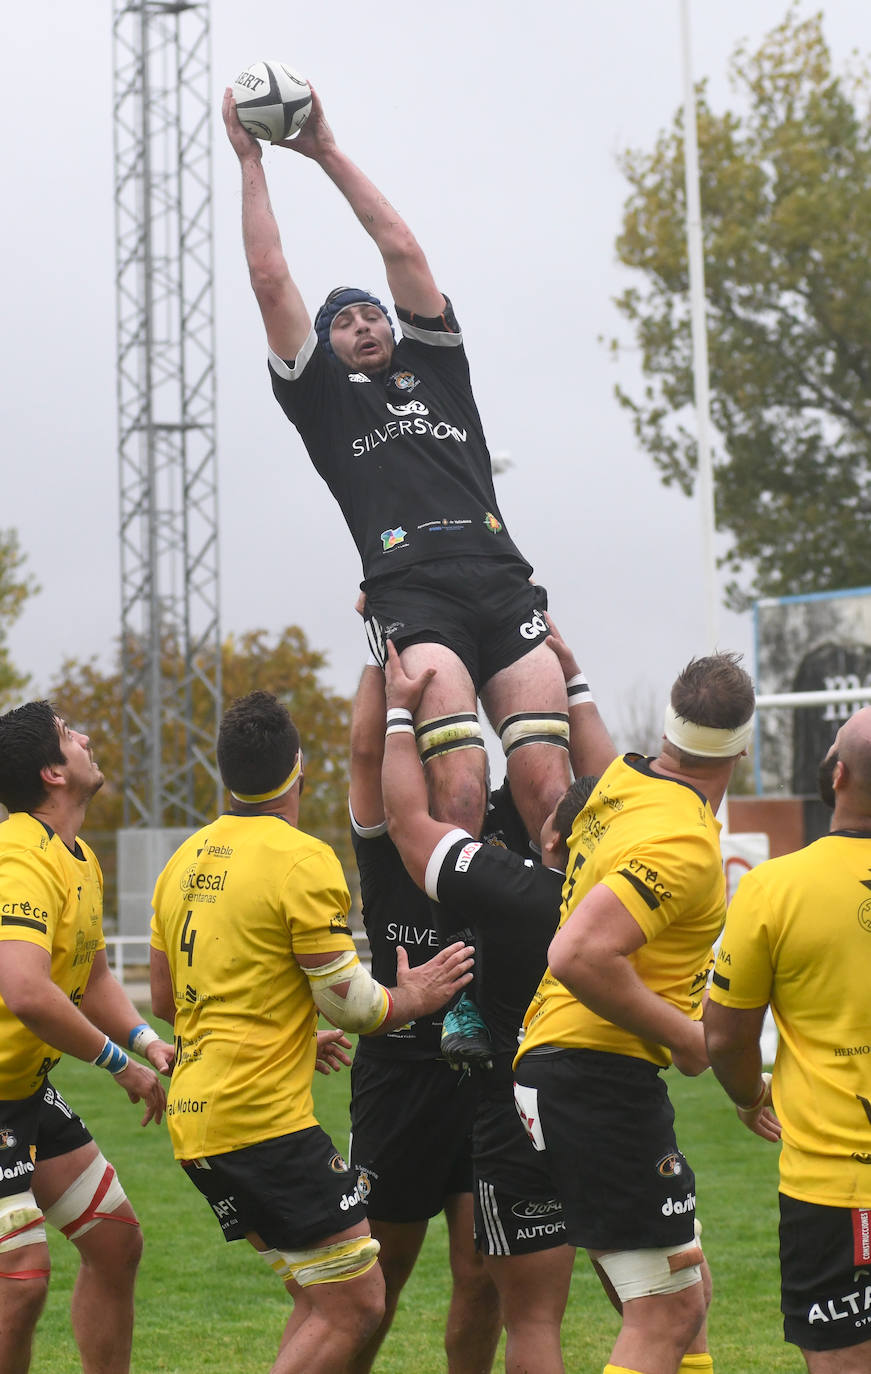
column 714, row 691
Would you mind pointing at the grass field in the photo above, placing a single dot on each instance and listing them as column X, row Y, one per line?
column 203, row 1305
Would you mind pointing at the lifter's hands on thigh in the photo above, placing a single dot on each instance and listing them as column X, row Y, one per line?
column 402, row 690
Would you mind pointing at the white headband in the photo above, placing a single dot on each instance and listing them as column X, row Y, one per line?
column 706, row 741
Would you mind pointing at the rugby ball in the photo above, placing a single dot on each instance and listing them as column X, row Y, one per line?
column 272, row 100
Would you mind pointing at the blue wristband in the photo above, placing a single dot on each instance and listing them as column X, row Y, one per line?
column 111, row 1057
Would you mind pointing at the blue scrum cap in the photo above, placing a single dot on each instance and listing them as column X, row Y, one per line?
column 338, row 300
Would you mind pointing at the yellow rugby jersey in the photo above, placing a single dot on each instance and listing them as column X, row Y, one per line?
column 798, row 935
column 232, row 907
column 655, row 843
column 54, row 899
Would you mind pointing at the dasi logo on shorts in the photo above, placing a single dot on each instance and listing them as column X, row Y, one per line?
column 678, row 1205
column 390, row 538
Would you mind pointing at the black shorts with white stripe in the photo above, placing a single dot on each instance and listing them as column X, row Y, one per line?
column 506, row 1224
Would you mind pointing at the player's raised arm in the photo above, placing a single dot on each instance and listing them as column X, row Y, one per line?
column 408, row 274
column 284, row 313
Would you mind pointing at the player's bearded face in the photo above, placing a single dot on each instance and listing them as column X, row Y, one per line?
column 825, row 778
column 362, row 338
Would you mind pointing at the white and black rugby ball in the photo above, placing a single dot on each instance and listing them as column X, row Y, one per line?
column 272, row 100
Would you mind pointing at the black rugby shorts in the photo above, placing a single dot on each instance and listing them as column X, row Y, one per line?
column 411, row 1122
column 608, row 1129
column 484, row 609
column 825, row 1274
column 293, row 1191
column 42, row 1125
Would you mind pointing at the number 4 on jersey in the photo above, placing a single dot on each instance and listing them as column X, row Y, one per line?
column 187, row 939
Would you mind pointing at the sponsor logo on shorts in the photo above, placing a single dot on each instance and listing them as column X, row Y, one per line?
column 856, row 1305
column 677, row 1206
column 465, row 857
column 390, row 538
column 528, row 1211
column 225, row 1208
column 861, row 1217
column 494, row 526
column 350, row 1200
column 669, row 1166
column 338, row 1165
column 534, row 628
column 544, row 1228
column 23, row 1166
column 8, row 1138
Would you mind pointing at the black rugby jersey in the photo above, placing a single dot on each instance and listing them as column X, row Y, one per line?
column 404, row 454
column 395, row 912
column 513, row 905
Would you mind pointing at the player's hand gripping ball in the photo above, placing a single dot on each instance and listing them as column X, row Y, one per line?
column 272, row 100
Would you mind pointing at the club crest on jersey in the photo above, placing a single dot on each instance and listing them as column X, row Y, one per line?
column 390, row 538
column 403, row 381
column 492, row 524
column 8, row 1138
column 865, row 915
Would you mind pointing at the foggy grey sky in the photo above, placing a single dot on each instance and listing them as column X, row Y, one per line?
column 493, row 128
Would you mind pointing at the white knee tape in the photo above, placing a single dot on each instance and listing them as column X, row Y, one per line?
column 534, row 727
column 329, row 1264
column 446, row 733
column 90, row 1198
column 21, row 1222
column 643, row 1273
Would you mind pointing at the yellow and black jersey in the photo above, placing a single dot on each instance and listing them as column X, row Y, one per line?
column 232, row 908
column 654, row 842
column 52, row 898
column 798, row 936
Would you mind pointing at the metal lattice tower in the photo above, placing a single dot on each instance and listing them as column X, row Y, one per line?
column 171, row 659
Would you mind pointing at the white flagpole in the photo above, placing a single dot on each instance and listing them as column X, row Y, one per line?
column 699, row 334
column 700, row 348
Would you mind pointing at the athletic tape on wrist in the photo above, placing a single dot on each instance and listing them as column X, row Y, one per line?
column 399, row 713
column 141, row 1037
column 578, row 689
column 399, row 727
column 111, row 1057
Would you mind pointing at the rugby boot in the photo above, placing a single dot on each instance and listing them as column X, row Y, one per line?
column 465, row 1041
